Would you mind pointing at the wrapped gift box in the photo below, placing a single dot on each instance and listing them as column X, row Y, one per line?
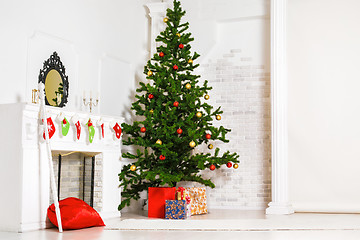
column 184, row 194
column 198, row 200
column 156, row 200
column 176, row 209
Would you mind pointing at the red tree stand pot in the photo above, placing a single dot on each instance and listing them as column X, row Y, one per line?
column 156, row 200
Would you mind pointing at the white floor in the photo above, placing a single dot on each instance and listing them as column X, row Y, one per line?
column 237, row 220
column 100, row 234
column 224, row 224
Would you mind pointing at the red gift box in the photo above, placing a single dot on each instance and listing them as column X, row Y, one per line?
column 156, row 198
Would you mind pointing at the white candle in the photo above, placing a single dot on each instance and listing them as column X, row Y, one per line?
column 58, row 98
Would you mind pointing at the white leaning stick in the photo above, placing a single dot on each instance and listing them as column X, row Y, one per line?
column 52, row 175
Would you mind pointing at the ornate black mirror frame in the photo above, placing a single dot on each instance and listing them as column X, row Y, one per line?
column 54, row 63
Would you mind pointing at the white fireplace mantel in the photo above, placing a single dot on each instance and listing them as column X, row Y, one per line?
column 24, row 172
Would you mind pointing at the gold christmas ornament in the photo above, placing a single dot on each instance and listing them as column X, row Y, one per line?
column 190, row 61
column 150, row 73
column 151, row 111
column 218, row 117
column 199, row 114
column 159, row 142
column 178, row 34
column 206, row 97
column 192, row 144
column 133, row 168
column 210, row 146
column 166, row 19
column 235, row 166
column 188, row 86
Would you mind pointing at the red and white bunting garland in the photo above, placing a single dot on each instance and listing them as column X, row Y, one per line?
column 100, row 123
column 76, row 121
column 116, row 128
column 51, row 128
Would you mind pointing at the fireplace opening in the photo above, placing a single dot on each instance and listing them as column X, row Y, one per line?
column 79, row 174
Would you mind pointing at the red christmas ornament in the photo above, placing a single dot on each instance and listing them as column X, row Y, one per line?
column 179, row 131
column 207, row 136
column 176, row 104
column 142, row 129
column 51, row 128
column 229, row 164
column 175, row 67
column 117, row 130
column 64, row 121
column 212, row 167
column 181, row 46
column 150, row 96
column 161, row 54
column 89, row 123
column 162, row 157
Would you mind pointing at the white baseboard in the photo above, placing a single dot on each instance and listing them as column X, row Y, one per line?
column 237, row 208
column 326, row 207
column 279, row 209
column 26, row 227
column 110, row 215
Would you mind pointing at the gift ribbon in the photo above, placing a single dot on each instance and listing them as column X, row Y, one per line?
column 181, row 190
column 188, row 200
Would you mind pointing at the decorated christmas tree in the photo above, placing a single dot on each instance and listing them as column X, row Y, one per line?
column 175, row 119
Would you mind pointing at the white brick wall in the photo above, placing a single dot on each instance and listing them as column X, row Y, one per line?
column 72, row 167
column 242, row 89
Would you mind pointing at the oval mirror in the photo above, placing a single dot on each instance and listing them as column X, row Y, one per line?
column 53, row 87
column 55, row 81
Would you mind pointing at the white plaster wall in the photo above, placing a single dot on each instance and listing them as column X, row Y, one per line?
column 205, row 16
column 324, row 103
column 82, row 32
